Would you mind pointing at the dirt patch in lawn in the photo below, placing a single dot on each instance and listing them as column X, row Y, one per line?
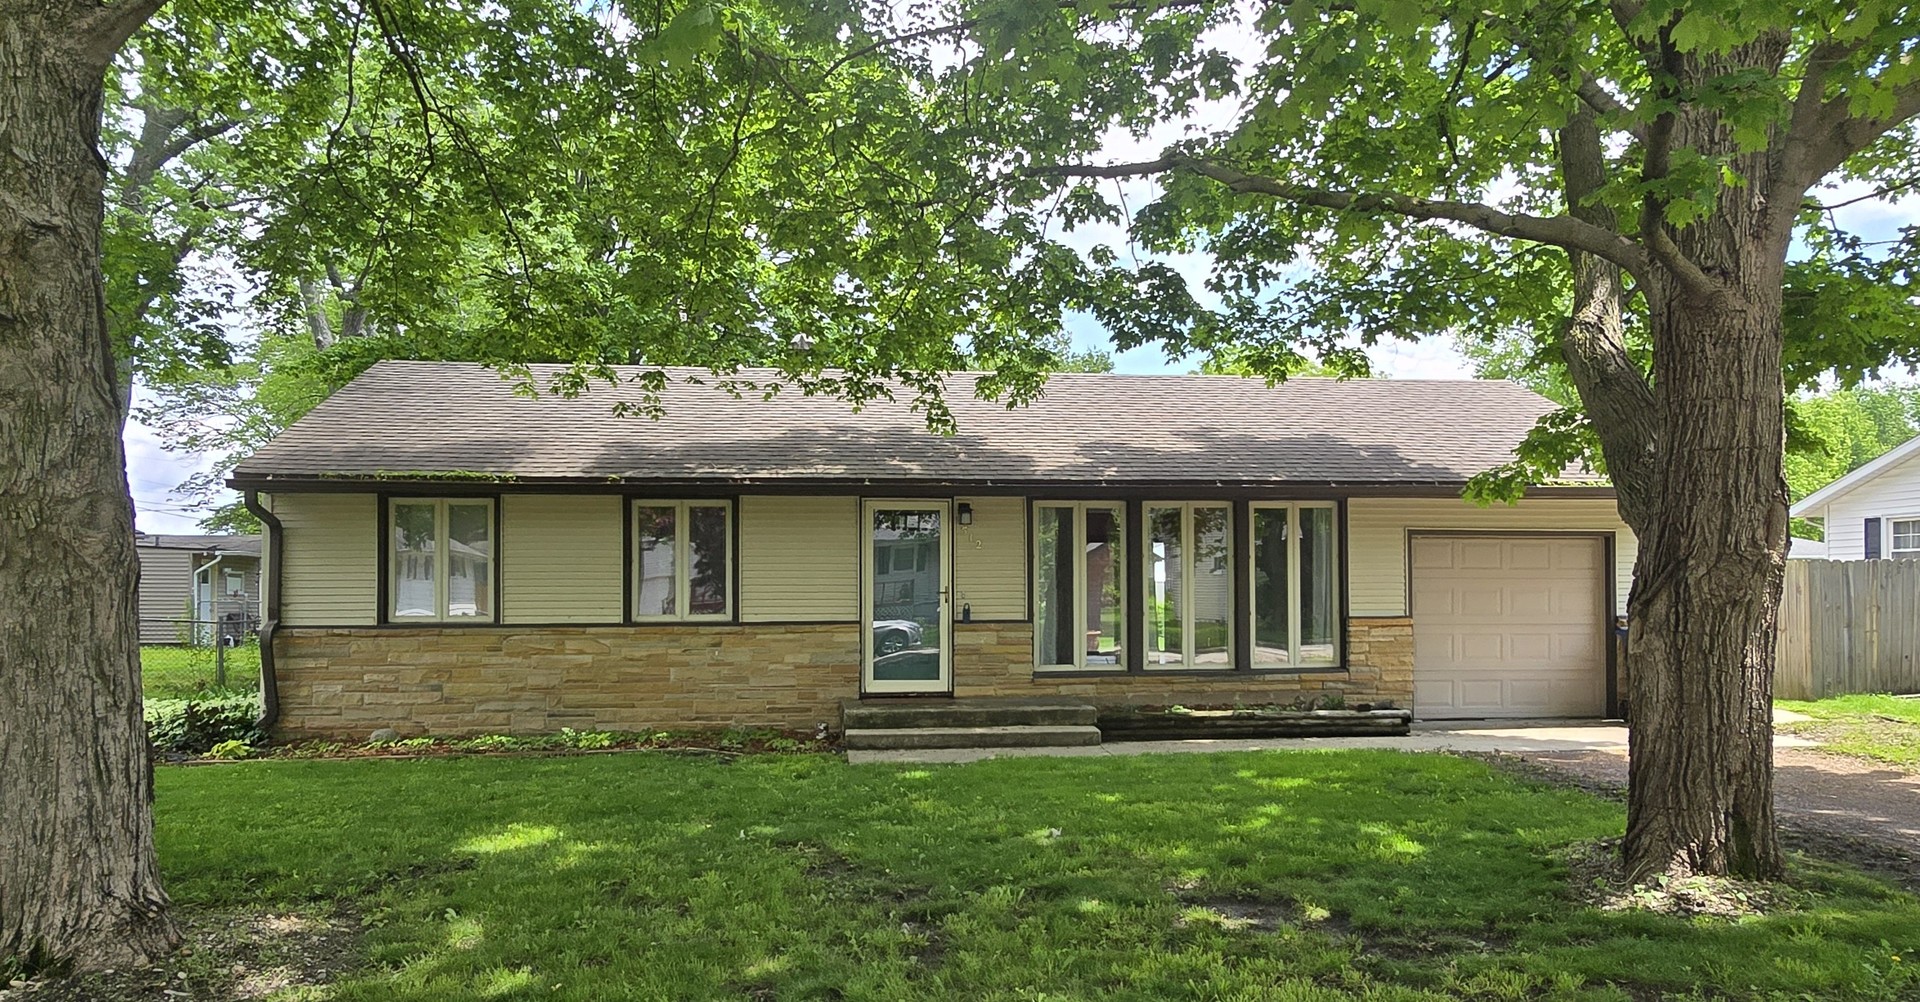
column 226, row 956
column 1237, row 915
column 907, row 906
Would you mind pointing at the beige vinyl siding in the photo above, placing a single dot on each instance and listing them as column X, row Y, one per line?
column 990, row 559
column 561, row 559
column 799, row 559
column 331, row 555
column 1377, row 540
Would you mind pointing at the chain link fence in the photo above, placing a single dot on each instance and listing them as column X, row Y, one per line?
column 203, row 656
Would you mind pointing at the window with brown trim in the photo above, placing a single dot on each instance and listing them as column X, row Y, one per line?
column 440, row 560
column 682, row 561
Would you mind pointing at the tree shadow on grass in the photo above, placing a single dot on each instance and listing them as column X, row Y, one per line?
column 800, row 877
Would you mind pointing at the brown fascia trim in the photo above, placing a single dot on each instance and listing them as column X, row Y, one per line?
column 270, row 620
column 877, row 487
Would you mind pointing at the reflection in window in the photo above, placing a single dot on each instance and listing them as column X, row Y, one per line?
column 1272, row 591
column 1189, row 586
column 905, row 617
column 683, row 560
column 441, row 566
column 416, row 560
column 656, row 531
column 1295, row 587
column 1079, row 617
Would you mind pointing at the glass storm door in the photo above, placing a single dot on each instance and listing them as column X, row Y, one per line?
column 904, row 584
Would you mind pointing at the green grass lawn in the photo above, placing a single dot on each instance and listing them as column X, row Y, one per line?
column 170, row 671
column 1302, row 876
column 1885, row 728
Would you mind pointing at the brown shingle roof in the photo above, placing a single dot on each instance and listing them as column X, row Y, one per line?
column 423, row 420
column 236, row 544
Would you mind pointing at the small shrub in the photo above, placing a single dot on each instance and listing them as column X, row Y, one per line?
column 1333, row 701
column 231, row 750
column 193, row 726
column 491, row 742
column 586, row 740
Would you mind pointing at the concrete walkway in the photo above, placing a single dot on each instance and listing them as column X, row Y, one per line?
column 1519, row 737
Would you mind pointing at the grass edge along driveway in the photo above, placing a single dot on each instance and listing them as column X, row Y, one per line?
column 1876, row 726
column 1296, row 875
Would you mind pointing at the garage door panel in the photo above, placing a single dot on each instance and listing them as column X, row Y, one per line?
column 1480, row 554
column 1531, row 604
column 1576, row 556
column 1482, row 600
column 1468, row 648
column 1529, row 557
column 1582, row 648
column 1508, row 627
column 1530, row 648
column 1433, row 601
column 1430, row 553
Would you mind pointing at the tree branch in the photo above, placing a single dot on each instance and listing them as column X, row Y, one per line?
column 1600, row 99
column 1559, row 231
column 107, row 28
column 1620, row 405
column 1831, row 134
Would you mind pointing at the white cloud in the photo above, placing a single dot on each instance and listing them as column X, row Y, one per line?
column 153, row 473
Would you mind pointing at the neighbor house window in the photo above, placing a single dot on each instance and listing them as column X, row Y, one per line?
column 1904, row 538
column 441, row 565
column 1295, row 621
column 683, row 560
column 1079, row 604
column 1188, row 591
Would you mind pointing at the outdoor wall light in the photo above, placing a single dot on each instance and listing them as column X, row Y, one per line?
column 966, row 513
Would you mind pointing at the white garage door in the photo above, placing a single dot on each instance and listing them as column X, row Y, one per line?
column 1508, row 626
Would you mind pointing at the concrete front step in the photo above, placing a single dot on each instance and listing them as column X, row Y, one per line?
column 895, row 714
column 1016, row 736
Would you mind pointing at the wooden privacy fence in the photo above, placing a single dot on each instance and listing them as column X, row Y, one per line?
column 1848, row 626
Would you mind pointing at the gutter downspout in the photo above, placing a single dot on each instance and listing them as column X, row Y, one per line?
column 270, row 615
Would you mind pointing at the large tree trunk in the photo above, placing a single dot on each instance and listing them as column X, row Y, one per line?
column 1705, row 595
column 78, row 882
column 1707, row 583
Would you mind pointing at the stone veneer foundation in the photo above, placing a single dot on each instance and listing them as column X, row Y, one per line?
column 347, row 683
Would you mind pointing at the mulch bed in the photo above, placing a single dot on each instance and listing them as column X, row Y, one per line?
column 719, row 744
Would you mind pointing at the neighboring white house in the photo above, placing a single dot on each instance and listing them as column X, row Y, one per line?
column 1871, row 513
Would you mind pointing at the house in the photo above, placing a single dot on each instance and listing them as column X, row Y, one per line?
column 448, row 556
column 192, row 585
column 1871, row 513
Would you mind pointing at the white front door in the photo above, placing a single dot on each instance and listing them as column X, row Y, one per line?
column 905, row 570
column 1509, row 626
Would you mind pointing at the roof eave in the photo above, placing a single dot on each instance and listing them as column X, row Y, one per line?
column 1833, row 491
column 631, row 485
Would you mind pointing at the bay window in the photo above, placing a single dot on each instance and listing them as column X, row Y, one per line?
column 1188, row 591
column 682, row 562
column 1295, row 616
column 440, row 565
column 1079, row 605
